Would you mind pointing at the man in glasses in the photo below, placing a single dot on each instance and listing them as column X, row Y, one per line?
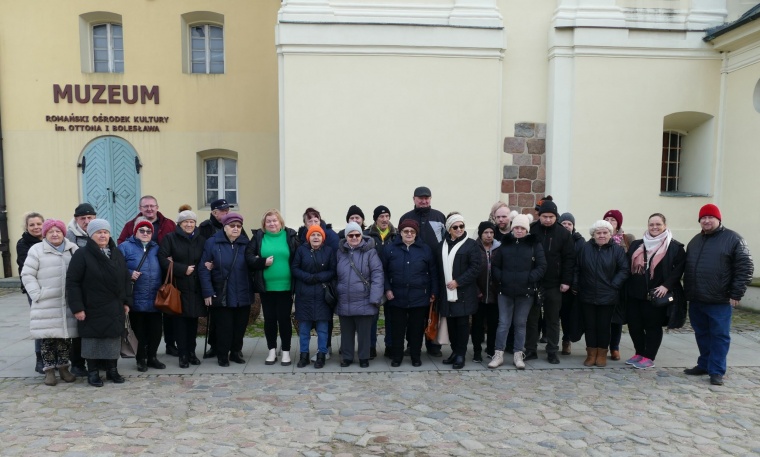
column 432, row 227
column 149, row 210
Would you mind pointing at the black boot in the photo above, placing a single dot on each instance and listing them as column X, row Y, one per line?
column 458, row 363
column 142, row 365
column 320, row 363
column 39, row 365
column 112, row 373
column 303, row 360
column 450, row 360
column 93, row 376
column 193, row 359
column 153, row 362
column 184, row 362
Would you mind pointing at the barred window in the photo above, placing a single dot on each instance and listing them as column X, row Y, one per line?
column 671, row 161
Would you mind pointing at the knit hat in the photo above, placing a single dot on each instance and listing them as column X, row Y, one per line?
column 710, row 210
column 409, row 223
column 548, row 198
column 232, row 217
column 567, row 217
column 597, row 225
column 352, row 227
column 315, row 228
column 142, row 222
column 379, row 211
column 615, row 214
column 354, row 210
column 85, row 209
column 548, row 206
column 521, row 220
column 451, row 220
column 483, row 226
column 50, row 223
column 97, row 224
column 186, row 216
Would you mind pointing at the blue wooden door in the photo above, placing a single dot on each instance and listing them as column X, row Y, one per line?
column 111, row 180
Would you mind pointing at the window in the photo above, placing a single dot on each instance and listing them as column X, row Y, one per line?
column 108, row 48
column 671, row 161
column 207, row 45
column 220, row 179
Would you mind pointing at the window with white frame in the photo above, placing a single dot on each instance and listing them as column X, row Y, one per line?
column 671, row 161
column 687, row 157
column 207, row 49
column 220, row 179
column 108, row 48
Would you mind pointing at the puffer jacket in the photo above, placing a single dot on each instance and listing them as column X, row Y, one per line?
column 311, row 269
column 146, row 287
column 719, row 267
column 257, row 264
column 601, row 272
column 185, row 251
column 559, row 250
column 411, row 273
column 488, row 288
column 465, row 271
column 99, row 286
column 221, row 251
column 380, row 243
column 354, row 297
column 518, row 265
column 44, row 277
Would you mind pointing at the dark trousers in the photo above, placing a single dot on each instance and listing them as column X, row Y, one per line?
column 355, row 328
column 645, row 326
column 459, row 334
column 75, row 354
column 565, row 315
column 616, row 334
column 95, row 364
column 405, row 323
column 484, row 324
column 277, row 307
column 186, row 332
column 230, row 328
column 169, row 337
column 147, row 328
column 597, row 319
column 552, row 305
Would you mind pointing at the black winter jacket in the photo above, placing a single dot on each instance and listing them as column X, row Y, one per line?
column 210, row 226
column 380, row 244
column 185, row 251
column 432, row 225
column 311, row 269
column 22, row 250
column 465, row 272
column 99, row 286
column 411, row 273
column 518, row 265
column 559, row 250
column 718, row 267
column 219, row 250
column 602, row 271
column 256, row 263
column 488, row 288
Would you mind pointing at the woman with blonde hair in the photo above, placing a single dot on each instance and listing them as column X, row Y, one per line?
column 32, row 235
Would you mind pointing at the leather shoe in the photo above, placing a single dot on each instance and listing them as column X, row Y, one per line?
column 416, row 362
column 716, row 379
column 364, row 363
column 184, row 362
column 171, row 350
column 303, row 360
column 193, row 359
column 372, row 353
column 93, row 379
column 696, row 371
column 236, row 356
column 530, row 355
column 79, row 372
column 458, row 363
column 223, row 362
column 396, row 363
column 345, row 363
column 615, row 354
column 153, row 362
column 450, row 360
column 552, row 358
column 435, row 353
column 210, row 354
column 142, row 365
column 112, row 374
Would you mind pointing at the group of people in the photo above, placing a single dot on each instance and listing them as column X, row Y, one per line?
column 505, row 285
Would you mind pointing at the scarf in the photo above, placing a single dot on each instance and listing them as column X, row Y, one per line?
column 448, row 265
column 656, row 248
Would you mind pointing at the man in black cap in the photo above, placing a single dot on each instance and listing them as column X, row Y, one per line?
column 560, row 259
column 432, row 225
column 76, row 231
column 383, row 232
column 219, row 208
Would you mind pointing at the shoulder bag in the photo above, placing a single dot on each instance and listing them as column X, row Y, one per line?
column 331, row 297
column 128, row 340
column 168, row 299
column 656, row 301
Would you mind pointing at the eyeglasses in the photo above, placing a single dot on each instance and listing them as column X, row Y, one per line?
column 354, row 235
column 144, row 231
column 408, row 232
column 235, row 226
column 149, row 206
column 457, row 227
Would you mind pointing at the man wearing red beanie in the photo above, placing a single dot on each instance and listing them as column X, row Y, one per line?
column 718, row 270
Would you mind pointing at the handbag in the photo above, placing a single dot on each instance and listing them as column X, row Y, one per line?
column 331, row 298
column 656, row 301
column 128, row 341
column 431, row 330
column 220, row 299
column 443, row 332
column 168, row 299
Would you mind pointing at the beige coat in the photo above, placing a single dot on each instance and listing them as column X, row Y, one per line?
column 44, row 276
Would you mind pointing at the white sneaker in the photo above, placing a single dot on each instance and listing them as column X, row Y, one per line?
column 285, row 358
column 272, row 357
column 497, row 360
column 519, row 356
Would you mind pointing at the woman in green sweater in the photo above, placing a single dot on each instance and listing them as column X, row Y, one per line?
column 269, row 255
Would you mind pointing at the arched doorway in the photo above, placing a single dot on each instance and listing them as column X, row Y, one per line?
column 111, row 180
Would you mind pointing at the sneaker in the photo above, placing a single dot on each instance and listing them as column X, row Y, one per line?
column 477, row 357
column 497, row 360
column 644, row 363
column 716, row 379
column 696, row 371
column 634, row 359
column 518, row 360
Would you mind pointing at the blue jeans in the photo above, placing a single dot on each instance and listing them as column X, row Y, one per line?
column 711, row 323
column 304, row 335
column 513, row 311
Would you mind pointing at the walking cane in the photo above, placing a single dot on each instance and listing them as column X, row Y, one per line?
column 208, row 325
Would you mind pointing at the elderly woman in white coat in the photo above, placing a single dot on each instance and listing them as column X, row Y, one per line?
column 44, row 277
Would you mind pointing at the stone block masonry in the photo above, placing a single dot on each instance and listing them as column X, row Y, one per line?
column 524, row 180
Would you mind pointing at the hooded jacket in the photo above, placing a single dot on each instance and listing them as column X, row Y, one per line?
column 519, row 265
column 144, row 290
column 312, row 269
column 355, row 298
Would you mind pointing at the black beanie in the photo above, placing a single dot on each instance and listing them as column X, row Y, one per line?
column 380, row 210
column 354, row 210
column 548, row 206
column 486, row 225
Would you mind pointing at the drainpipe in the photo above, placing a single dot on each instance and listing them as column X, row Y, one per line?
column 4, row 241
